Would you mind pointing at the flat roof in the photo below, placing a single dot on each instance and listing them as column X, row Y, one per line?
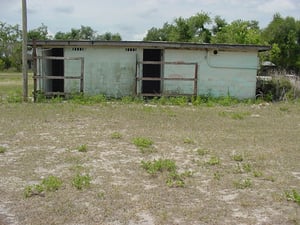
column 149, row 44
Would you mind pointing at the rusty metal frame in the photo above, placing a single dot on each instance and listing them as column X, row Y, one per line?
column 139, row 77
column 36, row 76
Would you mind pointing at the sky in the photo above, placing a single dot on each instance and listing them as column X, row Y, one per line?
column 133, row 18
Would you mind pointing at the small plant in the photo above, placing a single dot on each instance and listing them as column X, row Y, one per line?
column 217, row 175
column 214, row 160
column 293, row 195
column 238, row 157
column 50, row 184
column 188, row 141
column 2, row 149
column 257, row 173
column 159, row 165
column 243, row 183
column 81, row 181
column 247, row 167
column 101, row 195
column 82, row 148
column 174, row 179
column 239, row 116
column 143, row 143
column 202, row 152
column 116, row 135
column 284, row 109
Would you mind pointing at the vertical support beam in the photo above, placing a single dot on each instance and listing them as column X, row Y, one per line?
column 24, row 51
column 34, row 67
column 196, row 80
column 82, row 76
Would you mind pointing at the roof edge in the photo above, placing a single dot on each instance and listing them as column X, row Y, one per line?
column 148, row 44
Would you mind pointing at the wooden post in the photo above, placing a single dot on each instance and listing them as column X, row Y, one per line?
column 24, row 51
column 34, row 67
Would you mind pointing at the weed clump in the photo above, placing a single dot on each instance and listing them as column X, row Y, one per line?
column 48, row 184
column 174, row 179
column 2, row 149
column 81, row 181
column 293, row 195
column 144, row 144
column 82, row 148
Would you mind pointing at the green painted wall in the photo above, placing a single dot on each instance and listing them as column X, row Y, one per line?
column 111, row 71
column 220, row 74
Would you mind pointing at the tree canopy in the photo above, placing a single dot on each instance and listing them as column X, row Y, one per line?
column 283, row 34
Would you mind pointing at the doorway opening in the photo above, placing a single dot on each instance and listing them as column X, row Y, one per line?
column 57, row 70
column 152, row 71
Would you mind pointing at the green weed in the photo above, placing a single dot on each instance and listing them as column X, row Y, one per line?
column 188, row 141
column 214, row 160
column 243, row 183
column 217, row 175
column 257, row 173
column 284, row 109
column 293, row 195
column 247, row 167
column 82, row 148
column 116, row 135
column 238, row 157
column 49, row 184
column 174, row 179
column 159, row 165
column 202, row 152
column 2, row 149
column 142, row 143
column 81, row 181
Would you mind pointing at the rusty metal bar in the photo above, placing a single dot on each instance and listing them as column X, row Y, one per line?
column 57, row 77
column 81, row 75
column 59, row 57
column 164, row 63
column 196, row 80
column 165, row 78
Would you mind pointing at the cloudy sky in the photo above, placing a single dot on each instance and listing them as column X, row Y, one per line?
column 132, row 18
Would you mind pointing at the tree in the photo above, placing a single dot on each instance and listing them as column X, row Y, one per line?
column 284, row 33
column 10, row 46
column 108, row 36
column 192, row 29
column 40, row 33
column 238, row 32
column 86, row 33
column 160, row 34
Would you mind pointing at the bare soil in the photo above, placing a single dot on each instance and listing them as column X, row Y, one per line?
column 43, row 139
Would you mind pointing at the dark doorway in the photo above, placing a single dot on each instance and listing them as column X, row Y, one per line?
column 152, row 71
column 58, row 70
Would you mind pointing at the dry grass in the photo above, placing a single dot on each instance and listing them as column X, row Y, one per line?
column 42, row 140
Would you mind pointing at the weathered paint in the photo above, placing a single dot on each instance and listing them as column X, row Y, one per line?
column 111, row 70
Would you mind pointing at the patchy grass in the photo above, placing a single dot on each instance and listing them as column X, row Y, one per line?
column 41, row 139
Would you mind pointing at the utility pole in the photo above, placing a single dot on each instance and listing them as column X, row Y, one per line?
column 24, row 51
